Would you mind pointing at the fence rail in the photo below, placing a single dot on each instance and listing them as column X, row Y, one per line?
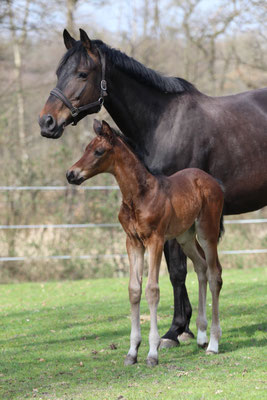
column 101, row 225
column 51, row 188
column 113, row 225
column 108, row 256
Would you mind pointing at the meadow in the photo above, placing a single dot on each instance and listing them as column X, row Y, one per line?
column 67, row 340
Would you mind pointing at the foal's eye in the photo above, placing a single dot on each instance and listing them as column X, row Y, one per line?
column 82, row 75
column 99, row 152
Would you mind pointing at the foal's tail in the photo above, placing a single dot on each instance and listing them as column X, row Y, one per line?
column 221, row 219
column 221, row 228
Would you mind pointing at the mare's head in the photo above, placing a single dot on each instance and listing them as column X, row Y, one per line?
column 79, row 79
column 98, row 156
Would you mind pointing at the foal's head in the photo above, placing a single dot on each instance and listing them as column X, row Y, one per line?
column 98, row 156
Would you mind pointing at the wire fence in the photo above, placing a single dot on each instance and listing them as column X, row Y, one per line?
column 99, row 225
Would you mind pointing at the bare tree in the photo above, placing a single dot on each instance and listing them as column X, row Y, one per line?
column 18, row 40
column 71, row 6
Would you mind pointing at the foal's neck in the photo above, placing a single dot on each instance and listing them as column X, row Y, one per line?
column 133, row 178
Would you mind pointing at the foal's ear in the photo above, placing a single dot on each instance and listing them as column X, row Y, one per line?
column 97, row 127
column 107, row 132
column 85, row 40
column 68, row 39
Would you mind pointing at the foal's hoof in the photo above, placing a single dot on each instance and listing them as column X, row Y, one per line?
column 151, row 362
column 203, row 345
column 211, row 352
column 186, row 337
column 167, row 343
column 129, row 360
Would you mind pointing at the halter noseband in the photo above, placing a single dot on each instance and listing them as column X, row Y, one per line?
column 75, row 111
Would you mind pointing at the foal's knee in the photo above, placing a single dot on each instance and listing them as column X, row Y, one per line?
column 135, row 294
column 152, row 293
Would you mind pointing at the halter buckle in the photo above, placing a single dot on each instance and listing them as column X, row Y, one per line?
column 74, row 112
column 103, row 85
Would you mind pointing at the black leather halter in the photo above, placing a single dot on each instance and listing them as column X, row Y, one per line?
column 75, row 111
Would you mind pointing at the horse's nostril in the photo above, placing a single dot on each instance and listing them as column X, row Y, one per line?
column 50, row 122
column 47, row 123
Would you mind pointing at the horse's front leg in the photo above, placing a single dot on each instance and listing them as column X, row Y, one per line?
column 135, row 251
column 155, row 249
column 176, row 262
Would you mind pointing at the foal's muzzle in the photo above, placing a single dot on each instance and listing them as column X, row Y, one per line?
column 74, row 177
column 49, row 127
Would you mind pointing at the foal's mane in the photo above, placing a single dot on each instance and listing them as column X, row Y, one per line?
column 130, row 144
column 131, row 67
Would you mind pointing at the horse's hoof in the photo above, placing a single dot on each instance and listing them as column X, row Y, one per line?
column 186, row 337
column 129, row 360
column 167, row 343
column 151, row 362
column 211, row 352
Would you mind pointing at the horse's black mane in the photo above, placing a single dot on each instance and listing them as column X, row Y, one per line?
column 130, row 66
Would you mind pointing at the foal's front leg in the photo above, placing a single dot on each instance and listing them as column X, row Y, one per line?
column 155, row 249
column 135, row 251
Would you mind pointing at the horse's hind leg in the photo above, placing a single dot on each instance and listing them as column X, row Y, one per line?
column 177, row 267
column 135, row 251
column 194, row 252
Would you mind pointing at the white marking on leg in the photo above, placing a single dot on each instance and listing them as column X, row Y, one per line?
column 152, row 295
column 136, row 259
column 202, row 339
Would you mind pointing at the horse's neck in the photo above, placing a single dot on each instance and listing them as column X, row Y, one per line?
column 132, row 176
column 134, row 107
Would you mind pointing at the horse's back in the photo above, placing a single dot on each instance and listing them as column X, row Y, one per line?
column 246, row 105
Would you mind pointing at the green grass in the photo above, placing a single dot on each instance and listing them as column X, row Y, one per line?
column 67, row 340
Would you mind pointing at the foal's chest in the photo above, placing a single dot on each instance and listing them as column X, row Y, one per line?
column 136, row 223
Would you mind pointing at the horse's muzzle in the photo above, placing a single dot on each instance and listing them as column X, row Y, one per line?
column 49, row 127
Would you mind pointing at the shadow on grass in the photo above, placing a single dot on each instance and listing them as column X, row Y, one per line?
column 84, row 357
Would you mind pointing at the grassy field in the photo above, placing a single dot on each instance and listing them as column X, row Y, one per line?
column 67, row 340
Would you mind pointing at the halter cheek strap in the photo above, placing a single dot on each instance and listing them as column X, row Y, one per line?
column 75, row 111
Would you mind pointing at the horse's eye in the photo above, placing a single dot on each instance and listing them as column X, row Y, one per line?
column 99, row 152
column 83, row 75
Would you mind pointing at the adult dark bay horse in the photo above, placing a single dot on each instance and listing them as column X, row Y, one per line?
column 174, row 126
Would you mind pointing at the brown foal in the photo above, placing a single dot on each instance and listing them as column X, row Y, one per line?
column 155, row 209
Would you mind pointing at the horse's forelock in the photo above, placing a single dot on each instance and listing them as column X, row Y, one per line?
column 77, row 50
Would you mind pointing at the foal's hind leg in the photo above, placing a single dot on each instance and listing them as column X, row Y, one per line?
column 192, row 250
column 135, row 251
column 209, row 246
column 155, row 250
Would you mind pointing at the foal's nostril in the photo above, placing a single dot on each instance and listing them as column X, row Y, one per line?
column 70, row 176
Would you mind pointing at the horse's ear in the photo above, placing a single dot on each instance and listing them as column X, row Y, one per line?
column 85, row 40
column 107, row 132
column 97, row 127
column 68, row 40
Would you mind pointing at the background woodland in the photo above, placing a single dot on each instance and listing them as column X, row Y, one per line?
column 219, row 46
